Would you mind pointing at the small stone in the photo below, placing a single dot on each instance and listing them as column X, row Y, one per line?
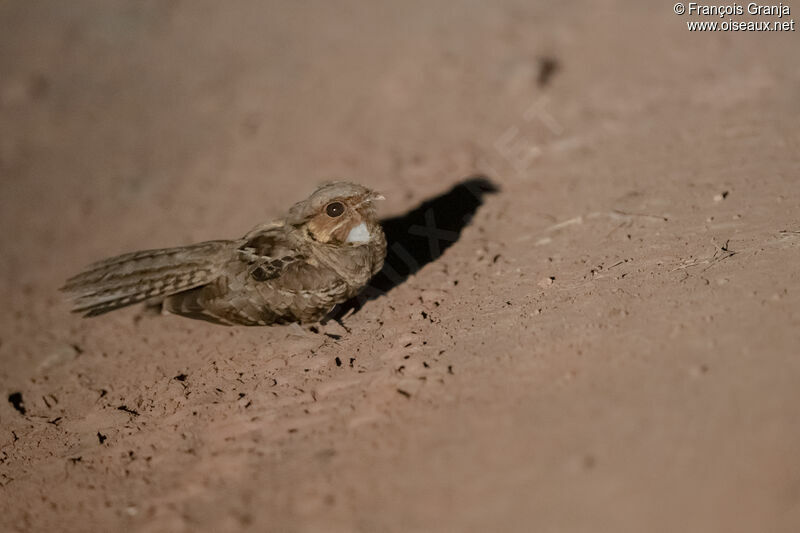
column 721, row 196
column 546, row 282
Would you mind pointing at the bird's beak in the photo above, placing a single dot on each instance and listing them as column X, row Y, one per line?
column 371, row 197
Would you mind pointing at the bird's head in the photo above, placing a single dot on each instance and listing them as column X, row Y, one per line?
column 339, row 213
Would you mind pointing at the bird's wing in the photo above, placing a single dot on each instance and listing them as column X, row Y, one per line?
column 274, row 277
column 275, row 253
column 268, row 251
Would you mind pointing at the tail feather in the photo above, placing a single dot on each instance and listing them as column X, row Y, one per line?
column 135, row 277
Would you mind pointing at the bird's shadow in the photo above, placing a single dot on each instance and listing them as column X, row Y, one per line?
column 421, row 236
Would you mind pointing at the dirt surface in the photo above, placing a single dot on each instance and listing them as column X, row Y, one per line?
column 610, row 341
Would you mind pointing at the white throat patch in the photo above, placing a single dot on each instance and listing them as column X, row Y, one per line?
column 358, row 234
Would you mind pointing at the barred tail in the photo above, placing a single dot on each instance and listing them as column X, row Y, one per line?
column 131, row 278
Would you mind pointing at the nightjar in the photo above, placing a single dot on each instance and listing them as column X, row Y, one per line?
column 295, row 269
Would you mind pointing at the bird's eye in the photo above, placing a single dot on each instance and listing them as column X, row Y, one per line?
column 335, row 209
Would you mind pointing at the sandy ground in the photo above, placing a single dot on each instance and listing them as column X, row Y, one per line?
column 610, row 341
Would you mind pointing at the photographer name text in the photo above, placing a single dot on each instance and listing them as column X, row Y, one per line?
column 753, row 8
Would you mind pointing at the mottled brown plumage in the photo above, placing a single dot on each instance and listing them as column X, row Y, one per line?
column 291, row 270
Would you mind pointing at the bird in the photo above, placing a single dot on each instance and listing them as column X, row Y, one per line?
column 294, row 269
